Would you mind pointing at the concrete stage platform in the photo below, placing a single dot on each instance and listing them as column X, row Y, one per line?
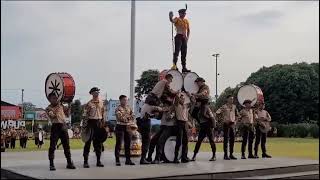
column 36, row 165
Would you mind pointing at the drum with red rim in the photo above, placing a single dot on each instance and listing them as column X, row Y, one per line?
column 62, row 84
column 250, row 92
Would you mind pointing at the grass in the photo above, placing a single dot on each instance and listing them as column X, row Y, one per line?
column 278, row 147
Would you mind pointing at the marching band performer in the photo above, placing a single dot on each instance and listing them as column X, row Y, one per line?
column 56, row 113
column 94, row 115
column 207, row 124
column 181, row 38
column 229, row 114
column 262, row 127
column 247, row 118
column 182, row 112
column 125, row 118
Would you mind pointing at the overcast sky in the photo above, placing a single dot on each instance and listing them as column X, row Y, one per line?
column 91, row 41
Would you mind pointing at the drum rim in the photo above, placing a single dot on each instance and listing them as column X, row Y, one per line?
column 62, row 84
column 164, row 152
column 74, row 85
column 255, row 92
column 185, row 78
column 182, row 85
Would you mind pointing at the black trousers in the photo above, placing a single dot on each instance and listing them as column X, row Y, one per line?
column 228, row 137
column 21, row 142
column 59, row 131
column 24, row 144
column 260, row 136
column 7, row 144
column 180, row 44
column 122, row 133
column 167, row 132
column 205, row 131
column 247, row 134
column 154, row 141
column 144, row 126
column 93, row 124
column 13, row 143
column 182, row 137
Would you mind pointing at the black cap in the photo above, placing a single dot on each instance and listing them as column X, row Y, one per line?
column 199, row 79
column 182, row 10
column 93, row 90
column 247, row 101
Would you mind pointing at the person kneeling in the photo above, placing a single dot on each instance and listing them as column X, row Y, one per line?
column 56, row 112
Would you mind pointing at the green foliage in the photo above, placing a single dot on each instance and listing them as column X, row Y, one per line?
column 314, row 130
column 291, row 92
column 301, row 130
column 76, row 111
column 147, row 81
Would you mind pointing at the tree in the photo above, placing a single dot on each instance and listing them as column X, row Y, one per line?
column 290, row 91
column 147, row 81
column 76, row 111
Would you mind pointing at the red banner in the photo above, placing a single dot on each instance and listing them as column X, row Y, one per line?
column 10, row 112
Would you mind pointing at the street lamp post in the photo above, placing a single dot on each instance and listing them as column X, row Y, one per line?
column 132, row 50
column 216, row 55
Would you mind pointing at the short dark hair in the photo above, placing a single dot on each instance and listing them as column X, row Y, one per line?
column 52, row 94
column 168, row 76
column 122, row 96
column 229, row 96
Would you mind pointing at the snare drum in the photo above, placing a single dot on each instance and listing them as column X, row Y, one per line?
column 177, row 81
column 250, row 92
column 62, row 84
column 189, row 84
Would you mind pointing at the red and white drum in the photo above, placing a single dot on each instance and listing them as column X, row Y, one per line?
column 189, row 84
column 62, row 84
column 250, row 92
column 177, row 81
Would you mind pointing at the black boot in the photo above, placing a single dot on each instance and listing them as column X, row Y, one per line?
column 52, row 168
column 251, row 156
column 213, row 158
column 194, row 157
column 226, row 157
column 185, row 160
column 70, row 164
column 264, row 155
column 85, row 163
column 232, row 157
column 99, row 164
column 176, row 161
column 118, row 162
column 256, row 155
column 184, row 69
column 144, row 161
column 149, row 159
column 243, row 156
column 156, row 161
column 129, row 162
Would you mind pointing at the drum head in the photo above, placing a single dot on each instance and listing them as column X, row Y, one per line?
column 189, row 84
column 85, row 134
column 169, row 148
column 247, row 92
column 186, row 98
column 177, row 81
column 54, row 83
column 70, row 133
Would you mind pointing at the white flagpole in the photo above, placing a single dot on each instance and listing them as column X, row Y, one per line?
column 132, row 50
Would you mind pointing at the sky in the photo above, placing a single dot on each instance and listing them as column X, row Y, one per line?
column 91, row 41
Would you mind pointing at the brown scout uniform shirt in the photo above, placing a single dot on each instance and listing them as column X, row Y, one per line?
column 229, row 113
column 94, row 109
column 124, row 115
column 56, row 113
column 247, row 116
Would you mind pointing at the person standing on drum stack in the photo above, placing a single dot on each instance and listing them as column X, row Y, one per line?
column 56, row 113
column 229, row 114
column 94, row 113
column 181, row 38
column 207, row 124
column 125, row 118
column 262, row 117
column 247, row 117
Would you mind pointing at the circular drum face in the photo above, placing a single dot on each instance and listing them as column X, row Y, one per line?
column 70, row 133
column 248, row 92
column 189, row 84
column 54, row 84
column 169, row 148
column 177, row 81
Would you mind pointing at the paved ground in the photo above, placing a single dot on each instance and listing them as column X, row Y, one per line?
column 36, row 164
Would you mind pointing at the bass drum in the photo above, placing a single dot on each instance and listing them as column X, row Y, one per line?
column 169, row 147
column 189, row 84
column 62, row 84
column 250, row 92
column 177, row 81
